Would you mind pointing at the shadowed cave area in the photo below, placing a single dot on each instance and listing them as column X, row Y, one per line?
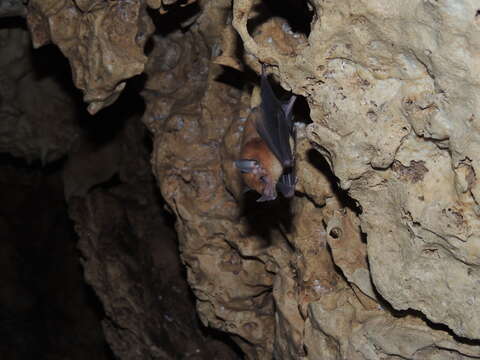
column 55, row 302
column 47, row 309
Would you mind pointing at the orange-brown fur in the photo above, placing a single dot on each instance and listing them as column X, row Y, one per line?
column 255, row 148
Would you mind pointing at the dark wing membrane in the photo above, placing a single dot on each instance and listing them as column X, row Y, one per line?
column 272, row 125
column 287, row 110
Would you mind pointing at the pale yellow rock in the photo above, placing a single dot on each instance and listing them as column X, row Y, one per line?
column 103, row 41
column 393, row 95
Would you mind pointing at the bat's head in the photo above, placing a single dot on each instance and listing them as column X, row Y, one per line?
column 260, row 168
column 257, row 178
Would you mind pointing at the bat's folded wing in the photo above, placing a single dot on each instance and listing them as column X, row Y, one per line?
column 273, row 125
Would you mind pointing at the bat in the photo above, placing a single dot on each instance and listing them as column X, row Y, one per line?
column 267, row 161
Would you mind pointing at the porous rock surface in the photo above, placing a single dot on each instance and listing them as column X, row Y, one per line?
column 189, row 113
column 385, row 123
column 103, row 41
column 129, row 255
column 383, row 265
column 393, row 97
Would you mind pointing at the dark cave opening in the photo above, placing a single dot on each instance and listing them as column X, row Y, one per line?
column 53, row 303
column 47, row 311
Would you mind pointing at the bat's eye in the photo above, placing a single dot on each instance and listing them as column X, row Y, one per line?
column 263, row 179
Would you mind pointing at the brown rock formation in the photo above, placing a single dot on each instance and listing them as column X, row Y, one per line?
column 377, row 255
column 103, row 41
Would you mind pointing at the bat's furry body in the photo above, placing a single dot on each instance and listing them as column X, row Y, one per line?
column 266, row 158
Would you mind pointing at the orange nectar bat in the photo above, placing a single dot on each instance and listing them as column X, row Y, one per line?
column 267, row 162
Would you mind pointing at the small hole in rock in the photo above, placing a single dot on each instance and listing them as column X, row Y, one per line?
column 301, row 111
column 178, row 17
column 298, row 15
column 335, row 233
column 363, row 237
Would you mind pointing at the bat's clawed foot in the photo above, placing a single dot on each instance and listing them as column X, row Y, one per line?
column 286, row 184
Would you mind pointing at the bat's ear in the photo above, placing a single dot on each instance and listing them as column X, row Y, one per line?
column 246, row 165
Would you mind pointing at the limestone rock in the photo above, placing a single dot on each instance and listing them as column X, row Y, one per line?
column 188, row 113
column 103, row 41
column 393, row 108
column 130, row 259
column 377, row 255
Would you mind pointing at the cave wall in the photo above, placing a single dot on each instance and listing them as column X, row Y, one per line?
column 381, row 120
column 392, row 95
column 376, row 257
column 77, row 188
column 130, row 258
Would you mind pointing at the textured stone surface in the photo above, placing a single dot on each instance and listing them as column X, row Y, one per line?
column 130, row 259
column 404, row 100
column 377, row 256
column 189, row 113
column 128, row 249
column 103, row 41
column 365, row 97
column 393, row 109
